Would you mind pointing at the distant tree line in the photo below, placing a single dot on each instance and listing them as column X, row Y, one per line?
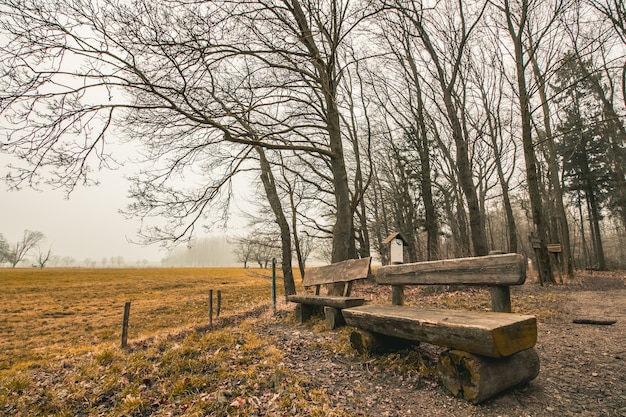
column 15, row 253
column 466, row 126
column 206, row 251
column 31, row 251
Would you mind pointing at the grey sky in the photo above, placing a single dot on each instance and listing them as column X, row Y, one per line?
column 87, row 225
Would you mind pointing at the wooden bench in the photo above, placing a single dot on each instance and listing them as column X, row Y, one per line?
column 343, row 273
column 489, row 351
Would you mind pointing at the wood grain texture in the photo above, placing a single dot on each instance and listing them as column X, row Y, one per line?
column 484, row 333
column 327, row 300
column 344, row 271
column 507, row 269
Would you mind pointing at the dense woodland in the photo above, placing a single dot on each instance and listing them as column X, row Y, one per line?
column 467, row 126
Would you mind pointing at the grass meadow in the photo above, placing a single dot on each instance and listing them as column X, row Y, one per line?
column 49, row 313
column 60, row 355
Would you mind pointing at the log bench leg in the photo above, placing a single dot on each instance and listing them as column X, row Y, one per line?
column 333, row 317
column 477, row 378
column 305, row 311
column 366, row 342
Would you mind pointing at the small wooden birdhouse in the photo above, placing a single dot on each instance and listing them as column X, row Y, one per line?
column 396, row 243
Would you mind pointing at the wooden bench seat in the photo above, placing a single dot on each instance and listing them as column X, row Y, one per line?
column 484, row 333
column 490, row 351
column 343, row 273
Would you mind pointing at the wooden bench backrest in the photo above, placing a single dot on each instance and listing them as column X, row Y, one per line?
column 344, row 271
column 492, row 270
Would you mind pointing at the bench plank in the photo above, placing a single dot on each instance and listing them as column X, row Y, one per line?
column 327, row 300
column 507, row 269
column 484, row 333
column 345, row 271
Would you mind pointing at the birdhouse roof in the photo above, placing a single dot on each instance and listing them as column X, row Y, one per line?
column 394, row 235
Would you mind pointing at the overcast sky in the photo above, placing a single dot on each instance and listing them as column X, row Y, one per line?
column 87, row 225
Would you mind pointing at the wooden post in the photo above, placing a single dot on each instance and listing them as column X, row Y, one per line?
column 219, row 303
column 125, row 324
column 333, row 317
column 274, row 285
column 500, row 295
column 211, row 308
column 397, row 295
column 500, row 299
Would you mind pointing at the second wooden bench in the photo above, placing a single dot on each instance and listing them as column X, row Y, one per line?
column 342, row 273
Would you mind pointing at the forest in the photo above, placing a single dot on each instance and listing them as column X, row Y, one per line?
column 466, row 126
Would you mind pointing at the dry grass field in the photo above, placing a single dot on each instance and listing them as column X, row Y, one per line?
column 60, row 353
column 45, row 313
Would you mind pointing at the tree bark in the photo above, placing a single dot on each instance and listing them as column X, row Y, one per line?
column 343, row 242
column 285, row 233
column 447, row 83
column 554, row 172
column 541, row 252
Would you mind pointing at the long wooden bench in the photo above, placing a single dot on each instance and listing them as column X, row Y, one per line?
column 343, row 273
column 489, row 351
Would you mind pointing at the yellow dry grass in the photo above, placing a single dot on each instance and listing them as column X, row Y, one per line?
column 52, row 313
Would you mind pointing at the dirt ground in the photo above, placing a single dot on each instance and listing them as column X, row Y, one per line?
column 583, row 366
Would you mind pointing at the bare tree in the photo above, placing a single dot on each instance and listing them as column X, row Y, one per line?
column 446, row 55
column 4, row 249
column 156, row 73
column 44, row 257
column 30, row 240
column 614, row 11
column 271, row 193
column 524, row 17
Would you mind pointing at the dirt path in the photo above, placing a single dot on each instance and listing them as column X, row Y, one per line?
column 583, row 367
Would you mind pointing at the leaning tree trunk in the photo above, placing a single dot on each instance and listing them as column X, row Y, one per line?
column 285, row 233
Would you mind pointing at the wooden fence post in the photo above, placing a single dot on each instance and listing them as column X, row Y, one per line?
column 211, row 308
column 219, row 303
column 125, row 324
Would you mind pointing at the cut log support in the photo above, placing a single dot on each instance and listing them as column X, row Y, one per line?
column 370, row 343
column 333, row 318
column 305, row 311
column 478, row 378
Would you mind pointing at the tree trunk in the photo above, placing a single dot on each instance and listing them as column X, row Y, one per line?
column 432, row 220
column 285, row 233
column 543, row 257
column 447, row 84
column 343, row 231
column 421, row 141
column 477, row 228
column 563, row 229
column 594, row 225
